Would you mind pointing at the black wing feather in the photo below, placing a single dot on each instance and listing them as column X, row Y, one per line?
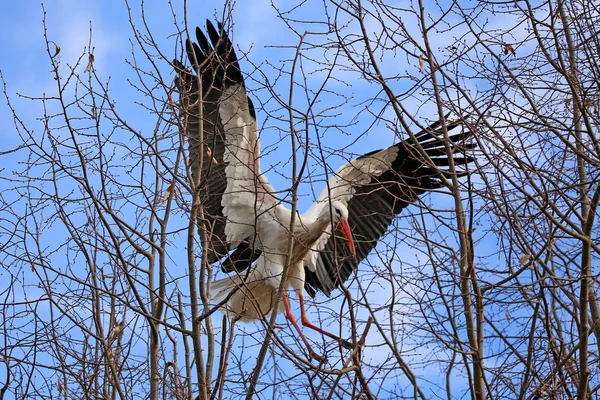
column 373, row 206
column 216, row 64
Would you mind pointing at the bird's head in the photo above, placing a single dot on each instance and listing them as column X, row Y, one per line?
column 340, row 215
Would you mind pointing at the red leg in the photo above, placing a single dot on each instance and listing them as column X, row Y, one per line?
column 308, row 324
column 290, row 317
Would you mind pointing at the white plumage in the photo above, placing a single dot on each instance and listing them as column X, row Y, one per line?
column 250, row 229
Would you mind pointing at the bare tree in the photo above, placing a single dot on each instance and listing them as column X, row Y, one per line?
column 486, row 288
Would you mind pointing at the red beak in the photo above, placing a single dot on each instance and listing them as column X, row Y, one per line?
column 345, row 228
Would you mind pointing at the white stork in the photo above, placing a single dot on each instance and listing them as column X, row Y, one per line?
column 248, row 225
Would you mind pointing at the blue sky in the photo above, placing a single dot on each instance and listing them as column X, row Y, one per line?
column 269, row 45
column 258, row 31
column 27, row 70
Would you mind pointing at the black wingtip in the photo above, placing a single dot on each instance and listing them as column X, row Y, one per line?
column 179, row 67
column 194, row 54
column 199, row 34
column 212, row 34
column 203, row 43
column 180, row 72
column 189, row 49
column 209, row 25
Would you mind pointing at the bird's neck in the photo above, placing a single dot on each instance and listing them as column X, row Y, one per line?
column 306, row 234
column 313, row 230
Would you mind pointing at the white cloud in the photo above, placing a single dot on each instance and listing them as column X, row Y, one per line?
column 73, row 34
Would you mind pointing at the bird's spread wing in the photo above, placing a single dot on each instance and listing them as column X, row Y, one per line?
column 375, row 188
column 221, row 127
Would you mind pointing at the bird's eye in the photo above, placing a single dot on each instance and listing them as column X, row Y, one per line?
column 338, row 212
